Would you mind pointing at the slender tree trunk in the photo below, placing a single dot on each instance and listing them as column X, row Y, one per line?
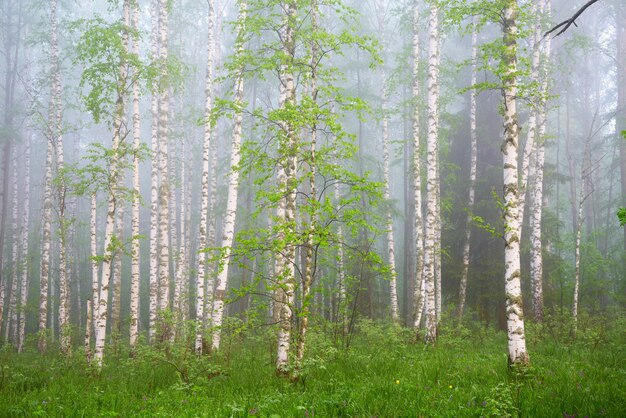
column 431, row 184
column 472, row 179
column 579, row 227
column 95, row 270
column 528, row 156
column 515, row 317
column 417, row 178
column 536, row 260
column 310, row 265
column 621, row 106
column 24, row 247
column 116, row 296
column 286, row 173
column 45, row 249
column 154, row 180
column 233, row 189
column 204, row 187
column 134, row 252
column 88, row 331
column 57, row 138
column 102, row 311
column 389, row 216
column 164, row 191
column 12, row 301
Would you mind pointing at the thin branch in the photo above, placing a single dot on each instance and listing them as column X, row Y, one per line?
column 571, row 21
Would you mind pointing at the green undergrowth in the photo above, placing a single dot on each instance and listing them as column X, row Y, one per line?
column 383, row 373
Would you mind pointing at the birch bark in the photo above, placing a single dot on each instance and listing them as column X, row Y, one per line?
column 102, row 310
column 472, row 185
column 135, row 260
column 286, row 211
column 309, row 266
column 417, row 178
column 12, row 301
column 536, row 258
column 431, row 183
column 57, row 138
column 154, row 182
column 515, row 316
column 164, row 191
column 24, row 247
column 233, row 189
column 204, row 186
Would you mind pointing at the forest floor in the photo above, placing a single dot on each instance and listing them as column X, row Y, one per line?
column 382, row 374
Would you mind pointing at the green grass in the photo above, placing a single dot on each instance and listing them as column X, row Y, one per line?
column 382, row 374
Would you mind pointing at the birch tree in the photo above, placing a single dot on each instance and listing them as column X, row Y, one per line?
column 164, row 191
column 233, row 187
column 204, row 185
column 25, row 262
column 387, row 196
column 432, row 217
column 515, row 317
column 113, row 194
column 418, row 233
column 154, row 181
column 135, row 261
column 536, row 258
column 286, row 175
column 57, row 139
column 472, row 177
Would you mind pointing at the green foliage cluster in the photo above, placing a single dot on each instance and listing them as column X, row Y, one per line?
column 382, row 374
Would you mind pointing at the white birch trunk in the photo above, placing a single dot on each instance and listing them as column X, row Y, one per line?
column 286, row 211
column 116, row 302
column 309, row 268
column 24, row 248
column 164, row 183
column 431, row 183
column 472, row 185
column 389, row 217
column 342, row 303
column 419, row 285
column 102, row 309
column 579, row 228
column 135, row 262
column 536, row 258
column 88, row 331
column 528, row 160
column 55, row 107
column 45, row 249
column 515, row 315
column 11, row 323
column 154, row 182
column 204, row 186
column 95, row 270
column 233, row 191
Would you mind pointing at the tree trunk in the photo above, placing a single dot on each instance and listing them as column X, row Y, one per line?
column 164, row 191
column 515, row 316
column 11, row 321
column 472, row 179
column 286, row 173
column 24, row 247
column 233, row 189
column 310, row 265
column 134, row 252
column 154, row 181
column 431, row 184
column 536, row 260
column 102, row 310
column 418, row 233
column 204, row 187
